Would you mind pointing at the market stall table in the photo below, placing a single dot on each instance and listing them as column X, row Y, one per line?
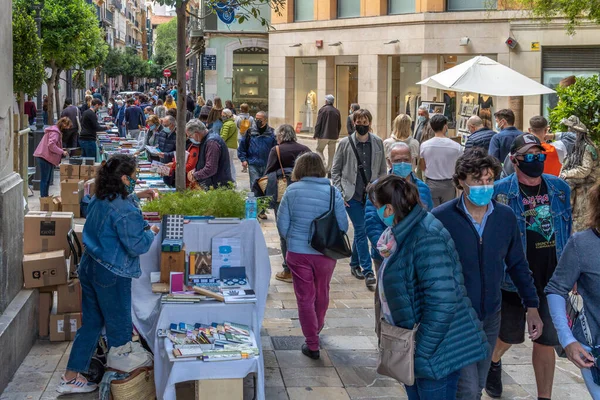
column 149, row 314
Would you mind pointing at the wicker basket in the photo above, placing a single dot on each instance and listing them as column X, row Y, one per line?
column 281, row 187
column 138, row 386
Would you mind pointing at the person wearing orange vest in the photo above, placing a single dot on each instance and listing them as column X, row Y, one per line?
column 555, row 152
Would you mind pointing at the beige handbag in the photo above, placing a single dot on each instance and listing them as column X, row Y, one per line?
column 397, row 353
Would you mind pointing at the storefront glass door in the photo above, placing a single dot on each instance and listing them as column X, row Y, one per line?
column 346, row 91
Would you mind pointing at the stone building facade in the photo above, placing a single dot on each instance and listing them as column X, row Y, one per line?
column 375, row 51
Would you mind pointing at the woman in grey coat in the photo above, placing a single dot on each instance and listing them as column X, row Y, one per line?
column 578, row 266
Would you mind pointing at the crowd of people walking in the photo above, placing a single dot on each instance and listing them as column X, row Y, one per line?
column 468, row 245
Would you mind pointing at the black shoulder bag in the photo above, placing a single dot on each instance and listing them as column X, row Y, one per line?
column 327, row 237
column 361, row 170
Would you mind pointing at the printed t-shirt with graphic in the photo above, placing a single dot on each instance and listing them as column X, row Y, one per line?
column 541, row 242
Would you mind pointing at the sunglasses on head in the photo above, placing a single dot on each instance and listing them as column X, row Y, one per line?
column 531, row 157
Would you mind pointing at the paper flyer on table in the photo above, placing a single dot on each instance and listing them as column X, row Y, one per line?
column 226, row 252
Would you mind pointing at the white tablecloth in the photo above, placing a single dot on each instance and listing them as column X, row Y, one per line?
column 148, row 315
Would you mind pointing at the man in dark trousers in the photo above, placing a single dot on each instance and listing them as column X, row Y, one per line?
column 327, row 130
column 487, row 239
column 89, row 128
column 134, row 119
column 30, row 110
column 70, row 136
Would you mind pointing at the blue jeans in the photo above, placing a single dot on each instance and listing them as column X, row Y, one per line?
column 472, row 377
column 360, row 245
column 428, row 389
column 105, row 302
column 46, row 175
column 88, row 148
column 256, row 172
column 588, row 379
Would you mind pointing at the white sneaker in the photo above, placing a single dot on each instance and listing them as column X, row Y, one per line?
column 79, row 384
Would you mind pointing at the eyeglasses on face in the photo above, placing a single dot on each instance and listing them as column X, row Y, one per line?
column 531, row 157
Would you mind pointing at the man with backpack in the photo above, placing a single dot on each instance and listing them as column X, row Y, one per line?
column 244, row 123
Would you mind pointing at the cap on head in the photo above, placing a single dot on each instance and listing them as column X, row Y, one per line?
column 524, row 142
column 329, row 99
column 574, row 123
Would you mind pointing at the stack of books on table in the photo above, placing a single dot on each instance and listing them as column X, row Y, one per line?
column 214, row 342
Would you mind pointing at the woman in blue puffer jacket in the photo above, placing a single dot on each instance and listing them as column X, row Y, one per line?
column 303, row 201
column 421, row 282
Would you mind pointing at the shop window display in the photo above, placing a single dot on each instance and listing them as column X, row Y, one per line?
column 305, row 94
column 405, row 94
column 346, row 91
column 251, row 79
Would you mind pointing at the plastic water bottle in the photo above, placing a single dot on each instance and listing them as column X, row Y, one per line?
column 251, row 206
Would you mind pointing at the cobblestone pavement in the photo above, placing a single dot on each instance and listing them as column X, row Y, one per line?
column 346, row 370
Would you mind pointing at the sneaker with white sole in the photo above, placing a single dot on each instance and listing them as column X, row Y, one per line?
column 76, row 385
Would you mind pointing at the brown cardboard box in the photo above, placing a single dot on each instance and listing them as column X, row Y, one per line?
column 73, row 208
column 44, row 269
column 50, row 203
column 89, row 187
column 64, row 326
column 44, row 316
column 47, row 231
column 69, row 297
column 171, row 262
column 68, row 171
column 87, row 172
column 71, row 191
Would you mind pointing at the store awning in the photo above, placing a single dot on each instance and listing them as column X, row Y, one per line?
column 187, row 56
column 485, row 76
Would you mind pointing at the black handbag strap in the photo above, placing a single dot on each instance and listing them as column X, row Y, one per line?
column 361, row 167
column 332, row 199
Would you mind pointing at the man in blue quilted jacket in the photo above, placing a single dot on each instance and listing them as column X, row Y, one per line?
column 487, row 238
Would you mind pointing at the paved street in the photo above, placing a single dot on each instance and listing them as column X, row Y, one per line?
column 346, row 370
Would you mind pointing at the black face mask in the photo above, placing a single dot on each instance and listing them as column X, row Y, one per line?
column 362, row 129
column 532, row 169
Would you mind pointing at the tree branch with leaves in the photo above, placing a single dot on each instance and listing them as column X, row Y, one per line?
column 28, row 66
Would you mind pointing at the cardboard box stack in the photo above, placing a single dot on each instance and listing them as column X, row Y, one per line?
column 75, row 182
column 51, row 203
column 45, row 267
column 71, row 193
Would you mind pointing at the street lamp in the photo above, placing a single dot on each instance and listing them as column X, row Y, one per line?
column 39, row 118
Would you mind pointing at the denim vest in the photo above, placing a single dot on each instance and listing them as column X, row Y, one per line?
column 506, row 191
column 115, row 235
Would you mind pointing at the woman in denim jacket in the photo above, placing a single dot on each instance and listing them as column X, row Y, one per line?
column 114, row 236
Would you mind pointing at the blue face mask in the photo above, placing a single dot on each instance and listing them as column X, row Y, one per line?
column 389, row 220
column 131, row 186
column 194, row 141
column 151, row 127
column 401, row 169
column 480, row 195
column 421, row 119
column 166, row 129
